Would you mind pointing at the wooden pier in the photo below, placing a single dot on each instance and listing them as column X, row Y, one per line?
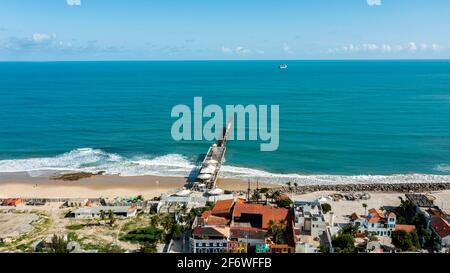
column 213, row 161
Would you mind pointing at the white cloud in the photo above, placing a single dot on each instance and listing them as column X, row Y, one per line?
column 370, row 47
column 287, row 49
column 386, row 48
column 398, row 48
column 373, row 2
column 412, row 46
column 226, row 50
column 73, row 2
column 240, row 50
column 435, row 47
column 43, row 37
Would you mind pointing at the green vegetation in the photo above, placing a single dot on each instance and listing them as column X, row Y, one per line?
column 350, row 230
column 111, row 217
column 325, row 207
column 58, row 244
column 148, row 247
column 405, row 241
column 144, row 235
column 74, row 227
column 284, row 203
column 23, row 247
column 277, row 231
column 256, row 196
column 344, row 243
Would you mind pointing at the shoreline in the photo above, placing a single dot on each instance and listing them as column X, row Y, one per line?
column 25, row 186
column 22, row 185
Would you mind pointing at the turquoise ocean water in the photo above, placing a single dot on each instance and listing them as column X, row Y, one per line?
column 339, row 120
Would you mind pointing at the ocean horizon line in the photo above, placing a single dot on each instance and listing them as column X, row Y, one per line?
column 229, row 60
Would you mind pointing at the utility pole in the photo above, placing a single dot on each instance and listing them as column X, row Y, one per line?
column 248, row 191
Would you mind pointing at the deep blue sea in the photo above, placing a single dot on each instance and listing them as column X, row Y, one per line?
column 339, row 120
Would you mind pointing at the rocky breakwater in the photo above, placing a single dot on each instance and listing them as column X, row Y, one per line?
column 381, row 187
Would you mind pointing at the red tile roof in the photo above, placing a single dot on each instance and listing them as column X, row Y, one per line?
column 354, row 216
column 376, row 215
column 376, row 212
column 210, row 219
column 441, row 226
column 218, row 221
column 268, row 213
column 211, row 232
column 407, row 228
column 248, row 232
column 13, row 202
column 223, row 207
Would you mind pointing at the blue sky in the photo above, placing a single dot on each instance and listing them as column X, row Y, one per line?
column 224, row 29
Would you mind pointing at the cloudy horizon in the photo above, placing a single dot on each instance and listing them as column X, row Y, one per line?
column 223, row 30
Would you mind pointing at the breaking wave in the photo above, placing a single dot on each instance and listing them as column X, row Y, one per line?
column 95, row 160
column 444, row 168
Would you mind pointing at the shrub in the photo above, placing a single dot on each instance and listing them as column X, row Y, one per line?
column 325, row 207
column 344, row 243
column 74, row 227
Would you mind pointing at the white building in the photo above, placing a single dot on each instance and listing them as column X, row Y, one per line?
column 209, row 239
column 309, row 227
column 95, row 212
column 441, row 228
column 172, row 201
column 376, row 222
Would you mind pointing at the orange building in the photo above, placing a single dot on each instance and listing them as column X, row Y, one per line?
column 257, row 215
column 13, row 202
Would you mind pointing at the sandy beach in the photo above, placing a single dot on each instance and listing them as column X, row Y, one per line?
column 22, row 185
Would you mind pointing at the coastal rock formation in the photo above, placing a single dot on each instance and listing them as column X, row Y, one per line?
column 74, row 176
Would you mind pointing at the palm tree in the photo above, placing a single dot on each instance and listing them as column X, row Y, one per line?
column 112, row 217
column 295, row 184
column 277, row 230
column 267, row 195
column 276, row 194
column 154, row 221
column 102, row 215
column 167, row 222
column 289, row 184
column 365, row 208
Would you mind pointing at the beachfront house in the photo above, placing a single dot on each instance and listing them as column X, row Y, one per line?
column 171, row 202
column 13, row 202
column 209, row 239
column 441, row 229
column 76, row 202
column 95, row 212
column 251, row 223
column 234, row 226
column 248, row 236
column 309, row 227
column 211, row 230
column 257, row 215
column 375, row 222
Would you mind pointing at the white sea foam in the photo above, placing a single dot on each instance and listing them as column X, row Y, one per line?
column 94, row 160
column 445, row 168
